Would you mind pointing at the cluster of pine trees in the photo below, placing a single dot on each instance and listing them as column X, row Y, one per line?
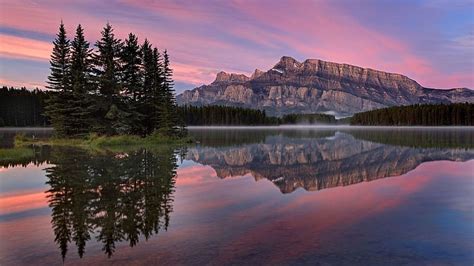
column 121, row 87
column 22, row 107
column 461, row 114
column 224, row 115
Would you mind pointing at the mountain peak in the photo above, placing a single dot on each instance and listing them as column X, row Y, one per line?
column 230, row 77
column 257, row 73
column 287, row 63
column 286, row 58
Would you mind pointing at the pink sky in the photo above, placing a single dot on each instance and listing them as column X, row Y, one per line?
column 429, row 41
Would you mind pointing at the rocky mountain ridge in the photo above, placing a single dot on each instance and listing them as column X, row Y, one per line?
column 318, row 86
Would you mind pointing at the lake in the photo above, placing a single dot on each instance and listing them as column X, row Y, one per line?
column 285, row 195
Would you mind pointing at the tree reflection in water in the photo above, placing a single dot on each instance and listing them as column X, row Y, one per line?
column 110, row 196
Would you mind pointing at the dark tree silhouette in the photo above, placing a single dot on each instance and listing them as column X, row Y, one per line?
column 461, row 114
column 22, row 107
column 60, row 82
column 121, row 88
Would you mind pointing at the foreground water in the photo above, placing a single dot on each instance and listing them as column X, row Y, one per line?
column 245, row 196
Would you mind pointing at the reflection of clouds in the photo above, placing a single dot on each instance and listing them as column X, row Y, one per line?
column 303, row 219
column 446, row 168
column 260, row 216
column 194, row 174
column 22, row 180
column 23, row 202
column 30, row 234
column 449, row 172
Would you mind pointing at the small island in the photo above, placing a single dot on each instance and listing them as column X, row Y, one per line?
column 120, row 93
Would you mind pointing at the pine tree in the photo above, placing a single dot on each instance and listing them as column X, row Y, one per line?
column 132, row 76
column 59, row 81
column 146, row 104
column 158, row 90
column 81, row 104
column 107, row 63
column 131, row 70
column 169, row 116
column 107, row 75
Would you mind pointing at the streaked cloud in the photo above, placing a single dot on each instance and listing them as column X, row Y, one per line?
column 23, row 48
column 431, row 44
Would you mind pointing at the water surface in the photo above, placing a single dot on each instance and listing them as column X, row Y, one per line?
column 357, row 196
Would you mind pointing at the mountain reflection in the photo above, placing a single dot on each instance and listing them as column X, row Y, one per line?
column 111, row 197
column 317, row 160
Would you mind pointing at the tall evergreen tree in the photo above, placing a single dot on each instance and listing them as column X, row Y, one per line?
column 169, row 116
column 59, row 81
column 132, row 76
column 146, row 102
column 108, row 76
column 107, row 63
column 158, row 90
column 81, row 103
column 131, row 69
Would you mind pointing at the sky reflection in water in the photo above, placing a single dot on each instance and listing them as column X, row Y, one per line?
column 311, row 202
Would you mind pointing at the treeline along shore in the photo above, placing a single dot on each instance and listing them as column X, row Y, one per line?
column 458, row 114
column 22, row 107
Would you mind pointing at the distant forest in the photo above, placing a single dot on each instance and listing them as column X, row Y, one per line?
column 460, row 114
column 22, row 107
column 224, row 115
column 227, row 115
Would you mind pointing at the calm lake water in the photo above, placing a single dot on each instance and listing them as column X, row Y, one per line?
column 331, row 196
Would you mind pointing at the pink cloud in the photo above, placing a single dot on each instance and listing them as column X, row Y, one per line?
column 24, row 48
column 22, row 202
column 342, row 206
column 204, row 37
column 195, row 174
column 332, row 36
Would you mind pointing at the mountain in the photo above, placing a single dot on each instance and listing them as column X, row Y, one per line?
column 318, row 86
column 319, row 163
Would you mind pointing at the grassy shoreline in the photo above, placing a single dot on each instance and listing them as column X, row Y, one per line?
column 97, row 142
